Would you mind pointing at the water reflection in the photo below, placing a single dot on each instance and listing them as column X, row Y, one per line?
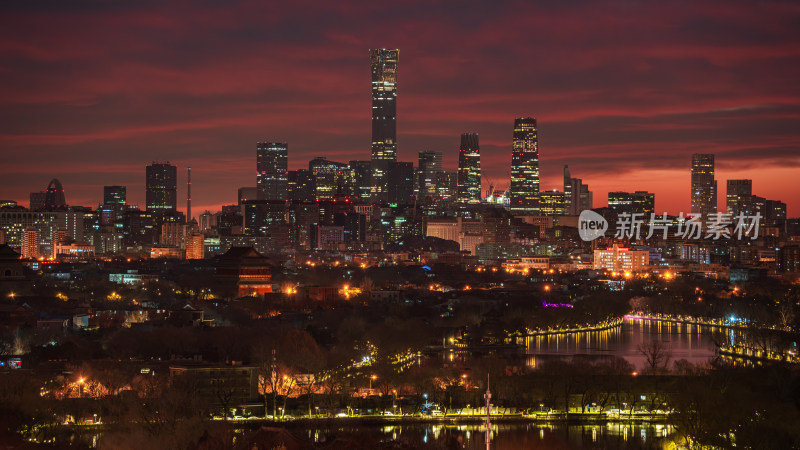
column 511, row 436
column 697, row 344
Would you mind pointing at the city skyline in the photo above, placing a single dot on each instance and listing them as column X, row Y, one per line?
column 622, row 123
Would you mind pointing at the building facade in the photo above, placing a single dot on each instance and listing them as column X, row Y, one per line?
column 272, row 170
column 524, row 186
column 161, row 184
column 704, row 186
column 469, row 170
column 383, row 63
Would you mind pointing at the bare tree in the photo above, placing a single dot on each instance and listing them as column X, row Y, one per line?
column 657, row 354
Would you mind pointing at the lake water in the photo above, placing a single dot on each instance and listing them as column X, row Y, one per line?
column 696, row 344
column 510, row 436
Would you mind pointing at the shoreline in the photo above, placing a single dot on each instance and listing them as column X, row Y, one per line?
column 450, row 420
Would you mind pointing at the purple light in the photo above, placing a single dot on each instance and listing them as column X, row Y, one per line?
column 555, row 305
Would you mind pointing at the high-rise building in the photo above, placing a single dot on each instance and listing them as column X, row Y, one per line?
column 272, row 167
column 401, row 183
column 384, row 118
column 639, row 202
column 704, row 186
column 173, row 234
column 736, row 191
column 58, row 236
column 37, row 200
column 115, row 196
column 31, row 240
column 362, row 178
column 469, row 170
column 247, row 193
column 552, row 203
column 207, row 221
column 430, row 163
column 446, row 186
column 302, row 187
column 331, row 179
column 260, row 216
column 774, row 212
column 15, row 223
column 161, row 184
column 54, row 197
column 195, row 245
column 524, row 187
column 577, row 196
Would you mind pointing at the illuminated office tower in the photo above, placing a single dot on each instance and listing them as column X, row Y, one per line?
column 704, row 186
column 301, row 185
column 553, row 203
column 639, row 202
column 362, row 178
column 331, row 178
column 736, row 191
column 384, row 119
column 115, row 196
column 272, row 167
column 161, row 184
column 524, row 186
column 469, row 170
column 430, row 163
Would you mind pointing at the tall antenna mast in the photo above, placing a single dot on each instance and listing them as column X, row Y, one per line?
column 189, row 197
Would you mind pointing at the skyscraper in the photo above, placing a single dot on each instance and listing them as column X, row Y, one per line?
column 524, row 186
column 430, row 163
column 736, row 191
column 552, row 203
column 115, row 196
column 54, row 198
column 272, row 167
column 161, row 185
column 331, row 178
column 384, row 118
column 639, row 202
column 401, row 183
column 704, row 186
column 469, row 170
column 577, row 196
column 301, row 185
column 31, row 240
column 362, row 178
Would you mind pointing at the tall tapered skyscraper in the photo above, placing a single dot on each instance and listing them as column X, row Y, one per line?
column 272, row 170
column 469, row 170
column 704, row 186
column 384, row 118
column 524, row 187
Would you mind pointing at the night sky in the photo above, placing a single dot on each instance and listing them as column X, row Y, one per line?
column 624, row 92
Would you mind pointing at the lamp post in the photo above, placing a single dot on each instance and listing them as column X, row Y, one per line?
column 371, row 379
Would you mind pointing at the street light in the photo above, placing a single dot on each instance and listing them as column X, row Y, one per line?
column 371, row 379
